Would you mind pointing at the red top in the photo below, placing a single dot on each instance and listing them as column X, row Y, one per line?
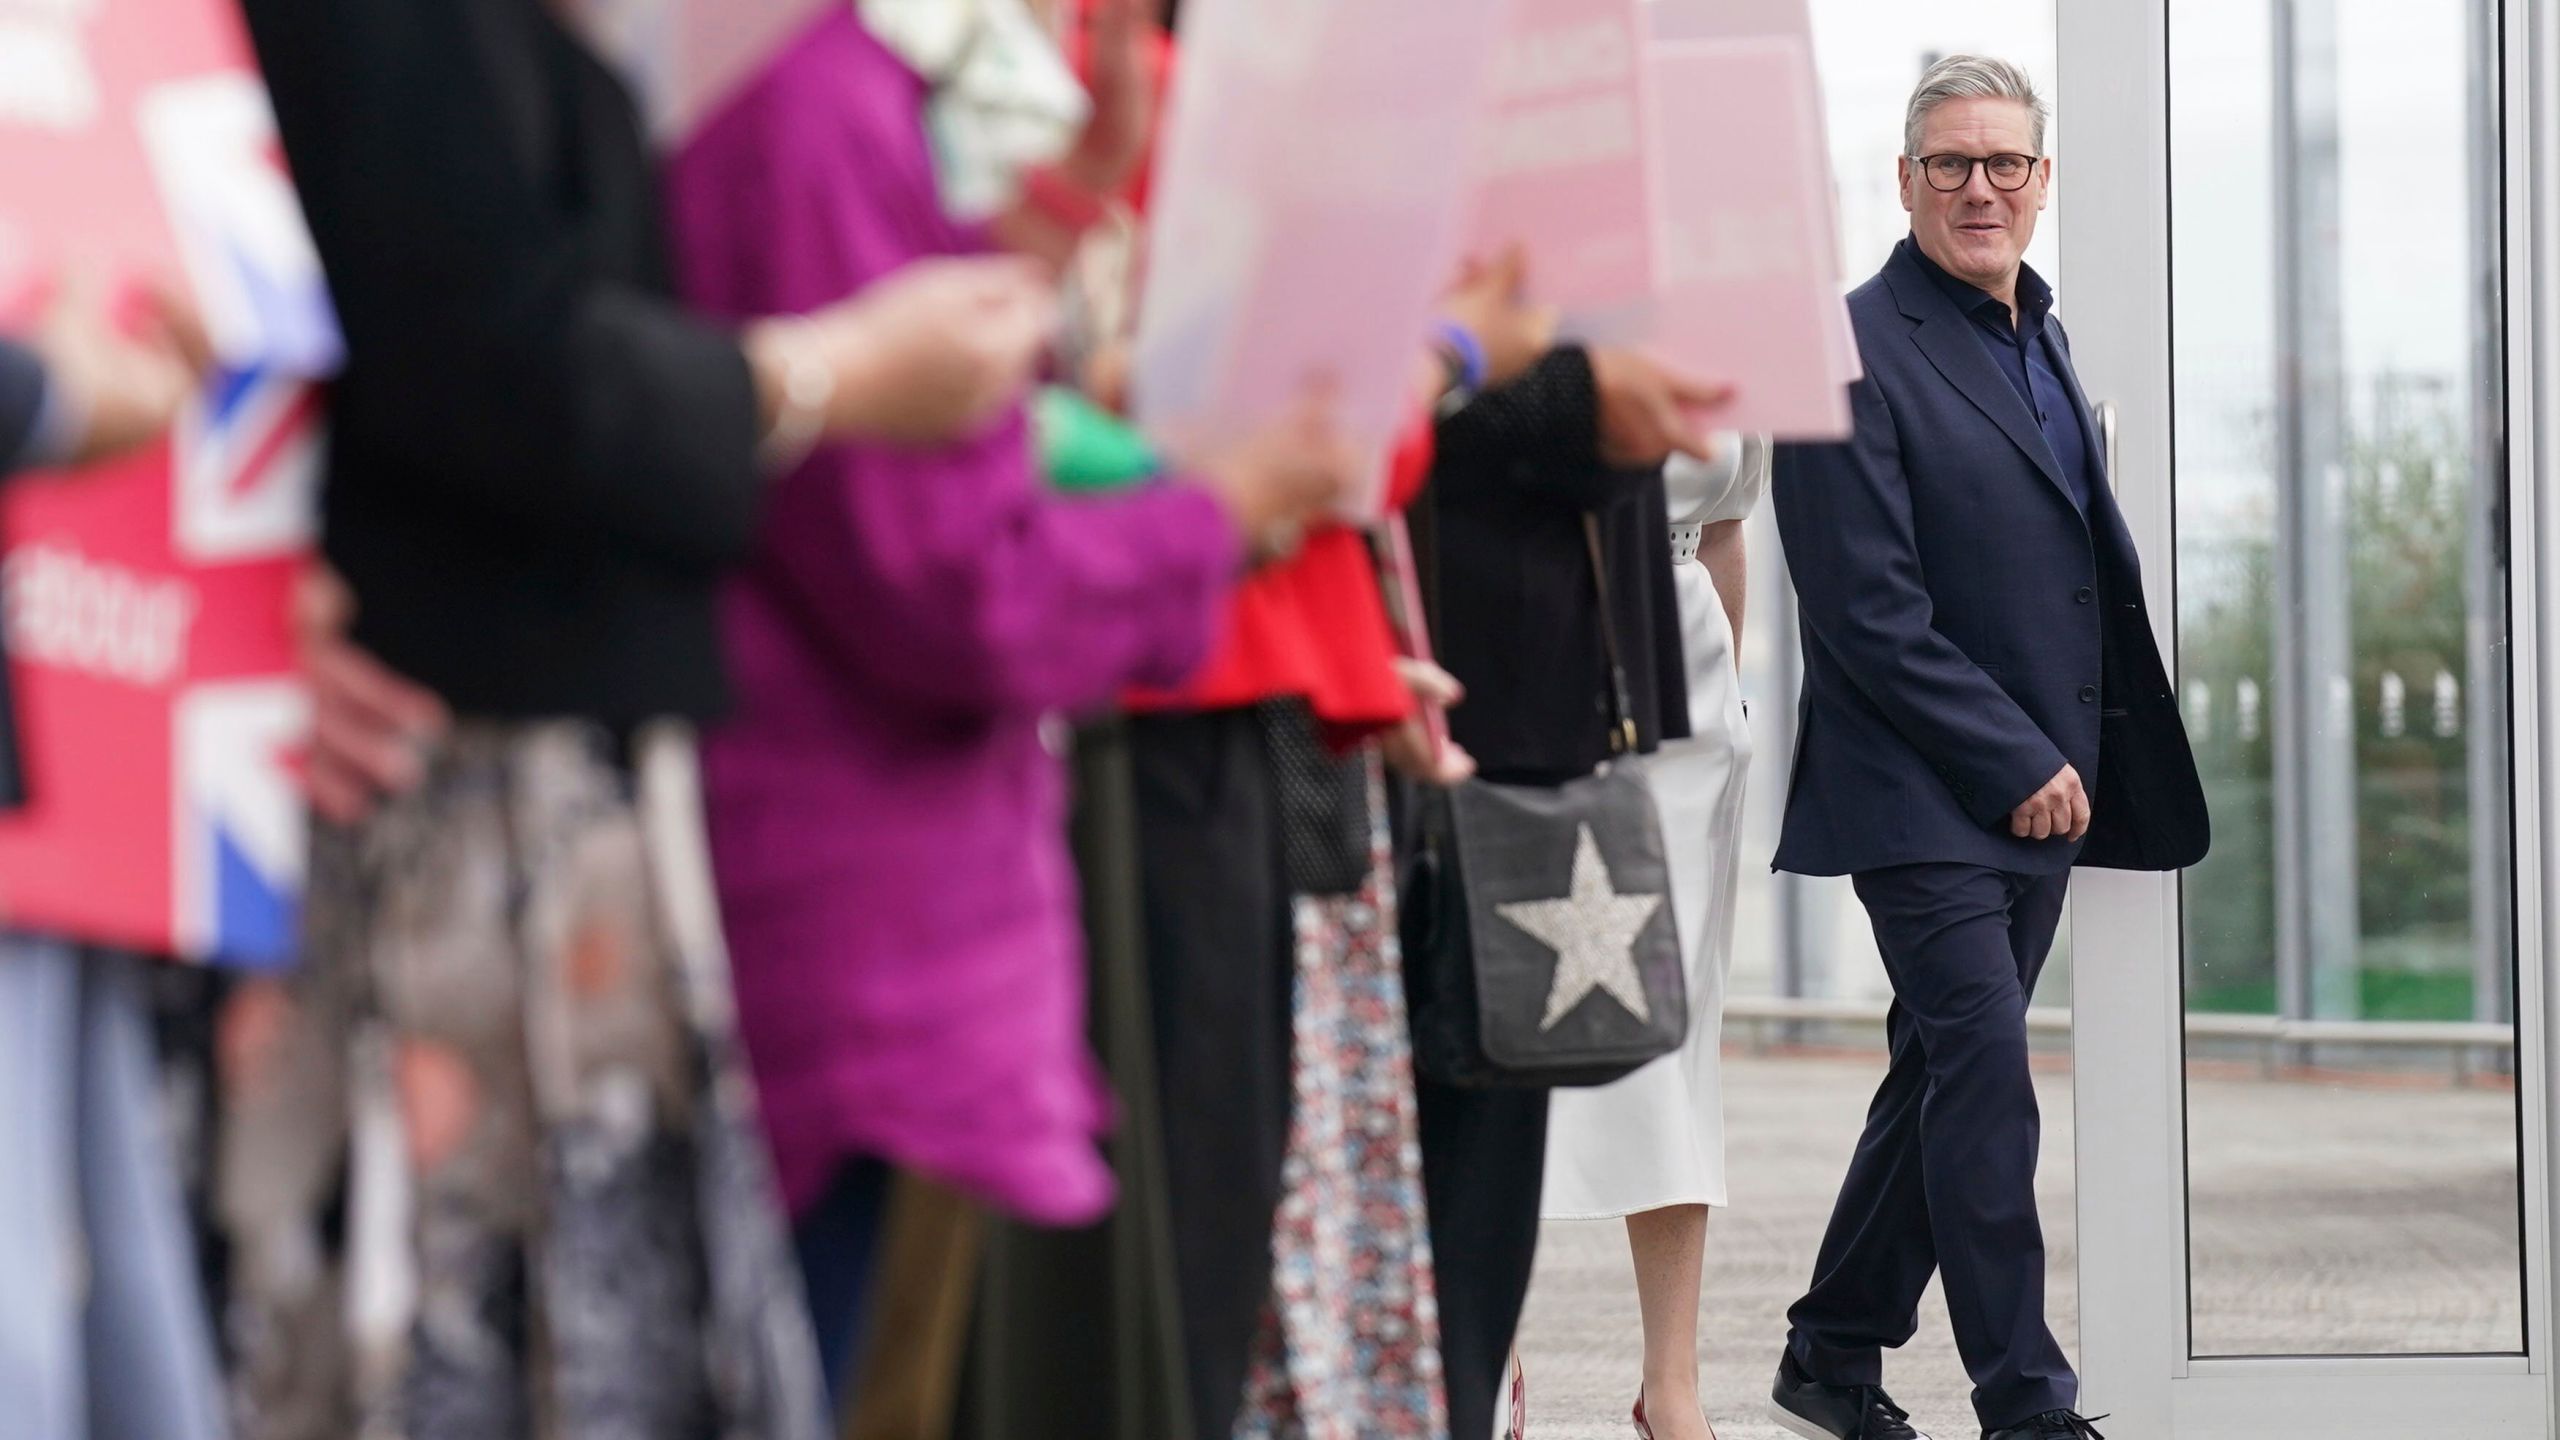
column 1314, row 625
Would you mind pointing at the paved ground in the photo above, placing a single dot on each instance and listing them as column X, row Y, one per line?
column 2327, row 1219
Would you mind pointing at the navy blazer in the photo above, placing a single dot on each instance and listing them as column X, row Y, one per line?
column 1967, row 629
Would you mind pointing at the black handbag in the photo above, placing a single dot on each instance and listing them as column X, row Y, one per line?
column 1540, row 949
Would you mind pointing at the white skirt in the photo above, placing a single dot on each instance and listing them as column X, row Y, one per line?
column 1656, row 1138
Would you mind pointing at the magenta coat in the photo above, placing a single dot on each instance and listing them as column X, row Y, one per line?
column 887, row 823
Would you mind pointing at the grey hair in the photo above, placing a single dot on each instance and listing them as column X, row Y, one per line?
column 1972, row 77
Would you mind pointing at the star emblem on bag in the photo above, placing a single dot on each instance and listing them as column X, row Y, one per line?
column 1593, row 931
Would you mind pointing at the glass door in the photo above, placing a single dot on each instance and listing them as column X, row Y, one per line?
column 2311, row 1116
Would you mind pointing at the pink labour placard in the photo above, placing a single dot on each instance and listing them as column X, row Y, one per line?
column 1562, row 163
column 1733, row 20
column 1747, row 295
column 1306, row 210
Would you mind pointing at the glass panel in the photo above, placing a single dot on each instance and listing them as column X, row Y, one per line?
column 2354, row 1185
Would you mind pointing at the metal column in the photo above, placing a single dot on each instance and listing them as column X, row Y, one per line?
column 2488, row 772
column 1799, row 969
column 2317, row 921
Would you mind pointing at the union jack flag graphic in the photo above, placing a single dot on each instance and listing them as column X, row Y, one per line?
column 244, row 468
column 221, row 175
column 149, row 608
column 247, row 467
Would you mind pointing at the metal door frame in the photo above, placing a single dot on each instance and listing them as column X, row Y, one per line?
column 2128, row 1032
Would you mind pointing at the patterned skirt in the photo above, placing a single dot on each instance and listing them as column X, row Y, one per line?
column 490, row 1161
column 1350, row 1346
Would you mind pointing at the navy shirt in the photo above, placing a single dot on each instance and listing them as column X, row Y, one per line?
column 2026, row 353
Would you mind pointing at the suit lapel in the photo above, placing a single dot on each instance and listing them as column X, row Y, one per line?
column 1948, row 342
column 1945, row 335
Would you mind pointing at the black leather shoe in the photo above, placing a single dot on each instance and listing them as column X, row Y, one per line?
column 1817, row 1411
column 2051, row 1425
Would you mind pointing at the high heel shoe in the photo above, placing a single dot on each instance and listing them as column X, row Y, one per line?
column 1644, row 1427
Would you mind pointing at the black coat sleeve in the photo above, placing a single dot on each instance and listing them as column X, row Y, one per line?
column 1537, row 436
column 498, row 366
column 22, row 385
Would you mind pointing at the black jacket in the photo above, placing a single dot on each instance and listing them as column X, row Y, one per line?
column 539, row 465
column 21, row 398
column 1967, row 628
column 1515, row 609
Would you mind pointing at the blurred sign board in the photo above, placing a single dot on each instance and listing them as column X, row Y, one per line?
column 148, row 605
column 1308, row 198
column 1747, row 291
column 1562, row 164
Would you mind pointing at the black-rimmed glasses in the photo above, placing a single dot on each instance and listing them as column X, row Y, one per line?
column 1954, row 172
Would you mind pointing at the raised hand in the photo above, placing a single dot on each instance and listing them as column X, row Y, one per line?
column 1491, row 303
column 122, row 374
column 1283, row 475
column 1649, row 410
column 1409, row 747
column 928, row 354
column 370, row 727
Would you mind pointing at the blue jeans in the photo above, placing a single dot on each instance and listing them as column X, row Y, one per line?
column 103, row 1331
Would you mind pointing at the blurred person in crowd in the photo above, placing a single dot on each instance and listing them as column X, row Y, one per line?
column 1285, row 1076
column 490, row 1162
column 1349, row 1334
column 1650, row 1148
column 1984, row 707
column 1262, row 1058
column 1584, row 431
column 102, row 1321
column 1282, row 1057
column 888, row 816
column 1280, row 1052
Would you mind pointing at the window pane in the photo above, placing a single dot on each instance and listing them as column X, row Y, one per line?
column 2354, row 1188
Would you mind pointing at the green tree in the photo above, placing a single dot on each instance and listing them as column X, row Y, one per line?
column 2409, row 498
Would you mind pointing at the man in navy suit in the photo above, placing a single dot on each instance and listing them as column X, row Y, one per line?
column 1984, row 707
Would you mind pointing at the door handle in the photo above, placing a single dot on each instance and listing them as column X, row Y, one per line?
column 2107, row 440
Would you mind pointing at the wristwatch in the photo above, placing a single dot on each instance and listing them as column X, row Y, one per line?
column 808, row 389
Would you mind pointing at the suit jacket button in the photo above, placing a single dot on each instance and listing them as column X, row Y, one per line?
column 2088, row 694
column 2086, row 595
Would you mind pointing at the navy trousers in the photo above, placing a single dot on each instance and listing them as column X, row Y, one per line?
column 839, row 1245
column 1944, row 1178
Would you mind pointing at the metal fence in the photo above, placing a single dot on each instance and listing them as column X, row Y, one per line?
column 2469, row 1049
